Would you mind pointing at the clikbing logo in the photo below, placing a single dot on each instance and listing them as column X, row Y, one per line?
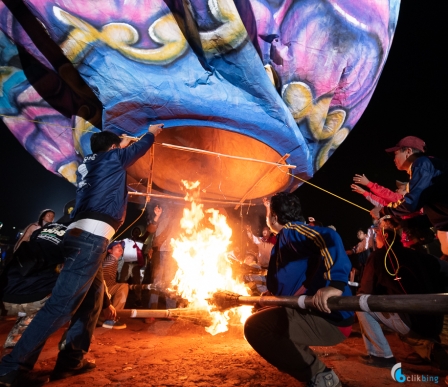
column 396, row 373
column 399, row 377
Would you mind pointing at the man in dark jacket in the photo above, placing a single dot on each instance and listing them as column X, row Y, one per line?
column 428, row 186
column 308, row 260
column 394, row 269
column 100, row 209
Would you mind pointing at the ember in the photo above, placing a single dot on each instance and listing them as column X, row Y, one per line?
column 201, row 255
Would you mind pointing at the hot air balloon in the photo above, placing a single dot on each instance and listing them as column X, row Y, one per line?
column 252, row 92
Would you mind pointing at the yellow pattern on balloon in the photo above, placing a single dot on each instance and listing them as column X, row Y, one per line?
column 164, row 31
column 323, row 124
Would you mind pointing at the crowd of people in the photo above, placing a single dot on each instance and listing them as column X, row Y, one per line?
column 71, row 271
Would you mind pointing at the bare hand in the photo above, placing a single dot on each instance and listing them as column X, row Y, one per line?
column 126, row 140
column 158, row 210
column 375, row 212
column 110, row 313
column 319, row 300
column 155, row 129
column 266, row 202
column 361, row 179
column 248, row 228
column 357, row 189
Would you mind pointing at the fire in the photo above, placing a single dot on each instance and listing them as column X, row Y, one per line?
column 201, row 255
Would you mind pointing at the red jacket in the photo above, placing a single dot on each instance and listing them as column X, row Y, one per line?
column 381, row 195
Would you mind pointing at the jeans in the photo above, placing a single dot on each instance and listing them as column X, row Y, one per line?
column 77, row 297
column 372, row 334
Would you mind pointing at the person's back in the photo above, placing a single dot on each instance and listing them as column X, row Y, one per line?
column 39, row 257
column 101, row 181
column 30, row 276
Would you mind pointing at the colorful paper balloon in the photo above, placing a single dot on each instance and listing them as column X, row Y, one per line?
column 274, row 81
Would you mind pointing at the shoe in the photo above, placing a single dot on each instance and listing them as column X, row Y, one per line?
column 325, row 379
column 379, row 362
column 10, row 379
column 63, row 341
column 415, row 359
column 111, row 324
column 62, row 373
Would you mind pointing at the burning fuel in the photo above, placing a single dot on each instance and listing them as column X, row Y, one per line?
column 203, row 266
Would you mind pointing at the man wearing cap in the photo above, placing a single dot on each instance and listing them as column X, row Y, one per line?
column 428, row 186
column 101, row 200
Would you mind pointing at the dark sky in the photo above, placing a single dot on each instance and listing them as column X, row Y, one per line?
column 410, row 99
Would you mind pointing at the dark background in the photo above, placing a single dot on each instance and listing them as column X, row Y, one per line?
column 410, row 99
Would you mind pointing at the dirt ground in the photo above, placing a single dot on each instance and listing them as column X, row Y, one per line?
column 180, row 353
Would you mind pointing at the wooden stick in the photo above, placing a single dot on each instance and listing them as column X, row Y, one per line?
column 409, row 303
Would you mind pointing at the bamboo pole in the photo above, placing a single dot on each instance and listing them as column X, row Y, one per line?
column 195, row 150
column 409, row 303
column 199, row 316
column 163, row 196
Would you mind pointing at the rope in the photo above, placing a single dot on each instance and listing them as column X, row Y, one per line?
column 127, row 228
column 328, row 192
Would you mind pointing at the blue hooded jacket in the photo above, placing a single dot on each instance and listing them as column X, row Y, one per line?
column 101, row 179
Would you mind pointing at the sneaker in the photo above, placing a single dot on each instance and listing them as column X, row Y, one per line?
column 325, row 379
column 111, row 324
column 10, row 379
column 379, row 362
column 62, row 373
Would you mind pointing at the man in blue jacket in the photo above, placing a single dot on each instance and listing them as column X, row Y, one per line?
column 100, row 209
column 309, row 260
column 427, row 189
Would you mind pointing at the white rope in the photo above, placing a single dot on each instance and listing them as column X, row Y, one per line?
column 301, row 301
column 363, row 303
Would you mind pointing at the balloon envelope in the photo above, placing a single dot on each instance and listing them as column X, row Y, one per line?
column 252, row 79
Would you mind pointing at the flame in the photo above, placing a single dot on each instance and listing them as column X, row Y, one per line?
column 203, row 266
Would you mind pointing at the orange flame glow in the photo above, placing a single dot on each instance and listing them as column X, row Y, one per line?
column 203, row 266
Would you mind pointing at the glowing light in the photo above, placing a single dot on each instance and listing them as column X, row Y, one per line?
column 201, row 255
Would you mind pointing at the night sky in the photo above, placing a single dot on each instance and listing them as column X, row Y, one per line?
column 410, row 99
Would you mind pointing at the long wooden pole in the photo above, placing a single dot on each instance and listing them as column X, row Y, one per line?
column 409, row 303
column 210, row 153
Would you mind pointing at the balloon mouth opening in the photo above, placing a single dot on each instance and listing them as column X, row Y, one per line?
column 221, row 177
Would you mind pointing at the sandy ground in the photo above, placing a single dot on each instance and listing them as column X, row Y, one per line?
column 180, row 353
